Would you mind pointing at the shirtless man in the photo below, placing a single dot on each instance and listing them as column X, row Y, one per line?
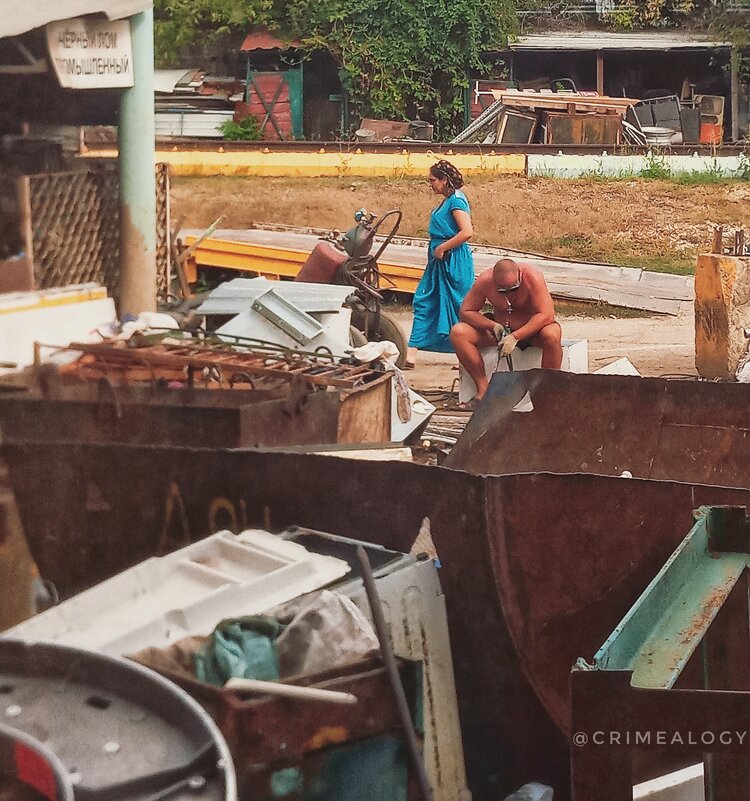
column 522, row 303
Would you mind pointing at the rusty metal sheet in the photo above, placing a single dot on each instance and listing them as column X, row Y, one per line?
column 258, row 730
column 606, row 425
column 568, row 568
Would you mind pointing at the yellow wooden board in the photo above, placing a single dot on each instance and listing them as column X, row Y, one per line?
column 277, row 262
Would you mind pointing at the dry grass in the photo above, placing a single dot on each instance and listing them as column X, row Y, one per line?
column 659, row 225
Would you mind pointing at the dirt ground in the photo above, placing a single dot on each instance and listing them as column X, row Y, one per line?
column 657, row 346
column 655, row 224
column 659, row 225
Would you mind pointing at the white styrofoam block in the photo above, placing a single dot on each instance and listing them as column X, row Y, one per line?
column 621, row 366
column 51, row 325
column 188, row 592
column 682, row 785
column 575, row 360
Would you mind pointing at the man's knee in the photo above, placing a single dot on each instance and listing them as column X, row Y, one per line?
column 551, row 334
column 462, row 332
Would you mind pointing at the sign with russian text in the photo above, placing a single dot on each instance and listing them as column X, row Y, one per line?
column 91, row 53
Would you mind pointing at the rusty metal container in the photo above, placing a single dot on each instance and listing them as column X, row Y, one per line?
column 537, row 569
column 193, row 417
column 606, row 425
column 322, row 264
column 317, row 750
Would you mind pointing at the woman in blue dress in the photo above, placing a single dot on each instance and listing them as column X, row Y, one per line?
column 449, row 273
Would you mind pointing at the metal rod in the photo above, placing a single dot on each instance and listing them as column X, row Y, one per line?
column 389, row 660
column 291, row 691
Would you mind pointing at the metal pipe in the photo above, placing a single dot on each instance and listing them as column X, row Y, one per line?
column 389, row 660
column 137, row 175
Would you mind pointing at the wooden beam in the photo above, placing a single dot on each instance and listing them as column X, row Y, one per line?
column 599, row 72
column 23, row 193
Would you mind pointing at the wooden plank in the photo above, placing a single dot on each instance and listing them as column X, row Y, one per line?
column 734, row 61
column 281, row 253
column 372, row 454
column 600, row 72
column 563, row 101
column 366, row 414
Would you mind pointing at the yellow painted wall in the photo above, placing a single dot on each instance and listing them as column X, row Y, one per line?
column 276, row 163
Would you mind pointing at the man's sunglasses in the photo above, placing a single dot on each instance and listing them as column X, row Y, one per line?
column 512, row 287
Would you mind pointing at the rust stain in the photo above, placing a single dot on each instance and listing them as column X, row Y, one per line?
column 713, row 603
column 328, row 735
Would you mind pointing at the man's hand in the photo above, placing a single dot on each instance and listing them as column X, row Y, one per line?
column 508, row 345
column 439, row 252
column 498, row 331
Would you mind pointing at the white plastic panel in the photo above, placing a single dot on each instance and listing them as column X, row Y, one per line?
column 189, row 592
column 52, row 317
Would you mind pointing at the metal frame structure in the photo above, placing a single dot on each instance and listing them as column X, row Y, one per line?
column 674, row 675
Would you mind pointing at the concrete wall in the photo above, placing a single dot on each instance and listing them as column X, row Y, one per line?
column 336, row 163
column 571, row 166
column 259, row 160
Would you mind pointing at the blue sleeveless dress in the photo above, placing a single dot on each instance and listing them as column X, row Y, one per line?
column 444, row 283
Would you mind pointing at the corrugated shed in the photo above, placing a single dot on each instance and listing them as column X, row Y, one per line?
column 603, row 40
column 19, row 16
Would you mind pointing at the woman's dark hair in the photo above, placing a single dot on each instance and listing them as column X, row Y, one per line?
column 444, row 169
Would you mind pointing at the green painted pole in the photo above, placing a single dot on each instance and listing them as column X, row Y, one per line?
column 137, row 176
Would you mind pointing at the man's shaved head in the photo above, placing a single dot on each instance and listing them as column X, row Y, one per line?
column 506, row 275
column 505, row 266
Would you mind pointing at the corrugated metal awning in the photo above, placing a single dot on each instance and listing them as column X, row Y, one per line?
column 602, row 40
column 261, row 39
column 19, row 16
column 165, row 81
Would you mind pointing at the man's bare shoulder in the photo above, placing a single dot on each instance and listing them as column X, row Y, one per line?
column 533, row 272
column 484, row 281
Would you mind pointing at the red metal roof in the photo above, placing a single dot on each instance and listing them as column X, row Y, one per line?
column 262, row 39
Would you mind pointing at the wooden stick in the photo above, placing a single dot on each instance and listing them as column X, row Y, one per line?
column 292, row 691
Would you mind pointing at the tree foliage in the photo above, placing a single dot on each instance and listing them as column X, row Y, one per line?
column 397, row 58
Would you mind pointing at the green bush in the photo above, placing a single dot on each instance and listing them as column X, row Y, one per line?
column 247, row 130
column 397, row 58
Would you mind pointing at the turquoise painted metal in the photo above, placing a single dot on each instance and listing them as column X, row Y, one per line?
column 137, row 175
column 659, row 634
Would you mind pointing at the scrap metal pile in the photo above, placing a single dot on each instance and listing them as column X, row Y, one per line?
column 214, row 362
column 565, row 116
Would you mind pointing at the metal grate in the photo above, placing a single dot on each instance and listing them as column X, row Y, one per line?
column 226, row 363
column 75, row 222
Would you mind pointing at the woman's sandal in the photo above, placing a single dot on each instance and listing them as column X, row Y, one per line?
column 469, row 406
column 409, row 365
